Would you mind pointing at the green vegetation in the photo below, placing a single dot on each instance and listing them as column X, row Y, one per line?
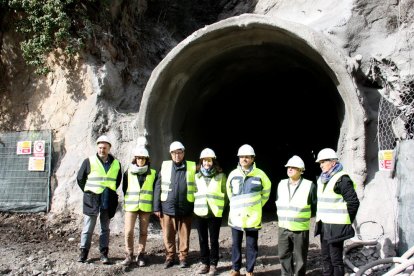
column 47, row 25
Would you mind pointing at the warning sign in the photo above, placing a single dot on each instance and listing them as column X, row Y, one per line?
column 24, row 147
column 36, row 164
column 385, row 160
column 39, row 148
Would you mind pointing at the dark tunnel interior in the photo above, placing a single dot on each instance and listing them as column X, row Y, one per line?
column 275, row 99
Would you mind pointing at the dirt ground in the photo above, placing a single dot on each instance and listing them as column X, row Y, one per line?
column 42, row 244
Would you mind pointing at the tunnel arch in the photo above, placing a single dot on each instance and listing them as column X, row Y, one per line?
column 215, row 89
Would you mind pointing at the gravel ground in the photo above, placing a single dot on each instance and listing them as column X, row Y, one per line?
column 45, row 244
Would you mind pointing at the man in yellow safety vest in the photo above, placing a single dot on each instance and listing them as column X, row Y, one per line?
column 248, row 189
column 296, row 204
column 99, row 177
column 174, row 203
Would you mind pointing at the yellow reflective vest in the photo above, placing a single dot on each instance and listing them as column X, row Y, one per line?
column 166, row 168
column 247, row 195
column 98, row 179
column 294, row 213
column 332, row 207
column 137, row 198
column 210, row 195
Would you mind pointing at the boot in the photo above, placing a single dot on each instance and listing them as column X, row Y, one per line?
column 104, row 256
column 83, row 256
column 128, row 259
column 234, row 273
column 249, row 274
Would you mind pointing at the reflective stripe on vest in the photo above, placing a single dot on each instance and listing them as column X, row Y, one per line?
column 210, row 195
column 166, row 168
column 98, row 179
column 295, row 213
column 332, row 207
column 246, row 209
column 137, row 198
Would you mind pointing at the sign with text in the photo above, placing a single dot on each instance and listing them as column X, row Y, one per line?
column 385, row 160
column 36, row 163
column 24, row 147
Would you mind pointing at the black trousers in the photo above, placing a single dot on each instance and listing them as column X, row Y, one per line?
column 293, row 251
column 251, row 249
column 332, row 260
column 206, row 226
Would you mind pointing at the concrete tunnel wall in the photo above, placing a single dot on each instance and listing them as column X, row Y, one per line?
column 215, row 89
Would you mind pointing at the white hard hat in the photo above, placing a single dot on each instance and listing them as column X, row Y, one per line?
column 141, row 151
column 296, row 162
column 246, row 150
column 207, row 153
column 103, row 139
column 326, row 154
column 176, row 145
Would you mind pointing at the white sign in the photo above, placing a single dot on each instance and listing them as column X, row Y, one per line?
column 24, row 147
column 39, row 148
column 36, row 163
column 385, row 160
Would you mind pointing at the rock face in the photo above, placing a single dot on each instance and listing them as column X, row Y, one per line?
column 102, row 93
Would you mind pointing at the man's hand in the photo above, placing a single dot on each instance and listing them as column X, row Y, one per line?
column 158, row 214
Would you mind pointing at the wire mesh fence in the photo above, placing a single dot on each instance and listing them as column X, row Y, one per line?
column 396, row 117
column 25, row 164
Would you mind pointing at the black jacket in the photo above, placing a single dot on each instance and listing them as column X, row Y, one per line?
column 339, row 232
column 92, row 202
column 176, row 203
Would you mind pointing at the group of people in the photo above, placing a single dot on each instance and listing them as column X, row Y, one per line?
column 183, row 191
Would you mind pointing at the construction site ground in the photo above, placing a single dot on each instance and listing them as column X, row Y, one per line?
column 46, row 244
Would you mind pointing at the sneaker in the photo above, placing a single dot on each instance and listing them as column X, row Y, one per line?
column 204, row 269
column 168, row 264
column 141, row 260
column 213, row 270
column 104, row 259
column 183, row 264
column 127, row 261
column 104, row 255
column 234, row 273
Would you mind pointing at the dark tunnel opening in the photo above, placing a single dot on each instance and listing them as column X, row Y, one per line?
column 279, row 102
column 280, row 87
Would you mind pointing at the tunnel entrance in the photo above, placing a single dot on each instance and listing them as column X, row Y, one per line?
column 267, row 96
column 247, row 81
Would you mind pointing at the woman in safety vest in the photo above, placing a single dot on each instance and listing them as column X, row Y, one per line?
column 138, row 188
column 210, row 201
column 337, row 207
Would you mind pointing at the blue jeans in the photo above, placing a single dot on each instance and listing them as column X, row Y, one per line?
column 89, row 223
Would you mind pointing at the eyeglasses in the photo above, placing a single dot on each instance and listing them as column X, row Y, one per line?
column 177, row 152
